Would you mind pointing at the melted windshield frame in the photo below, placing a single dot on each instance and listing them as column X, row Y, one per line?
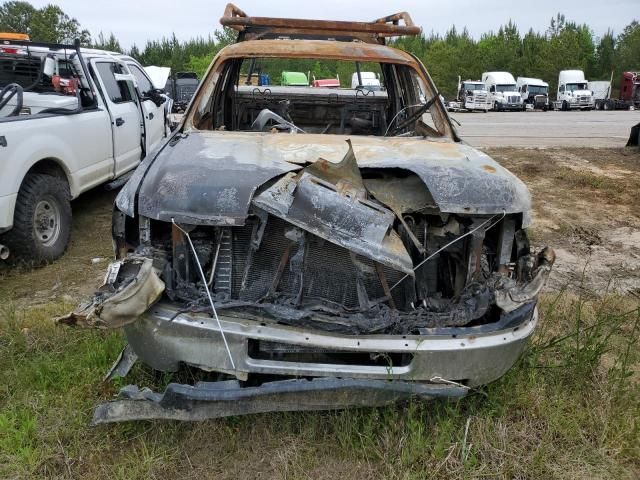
column 224, row 74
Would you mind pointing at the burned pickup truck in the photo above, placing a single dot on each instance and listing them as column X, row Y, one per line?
column 316, row 248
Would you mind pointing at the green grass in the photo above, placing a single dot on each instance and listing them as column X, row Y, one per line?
column 569, row 409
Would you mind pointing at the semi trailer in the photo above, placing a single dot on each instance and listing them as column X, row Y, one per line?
column 628, row 97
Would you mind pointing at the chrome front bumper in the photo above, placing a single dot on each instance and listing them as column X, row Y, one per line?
column 164, row 338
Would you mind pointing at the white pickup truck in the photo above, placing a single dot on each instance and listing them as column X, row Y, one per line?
column 70, row 119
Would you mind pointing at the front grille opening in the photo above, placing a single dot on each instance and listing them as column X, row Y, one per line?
column 283, row 352
column 327, row 270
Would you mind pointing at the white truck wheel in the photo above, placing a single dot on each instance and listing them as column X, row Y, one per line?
column 42, row 220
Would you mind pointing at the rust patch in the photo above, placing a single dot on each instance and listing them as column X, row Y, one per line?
column 489, row 168
column 398, row 24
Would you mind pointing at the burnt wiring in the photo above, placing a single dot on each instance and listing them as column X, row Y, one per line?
column 402, row 110
column 470, row 232
column 412, row 118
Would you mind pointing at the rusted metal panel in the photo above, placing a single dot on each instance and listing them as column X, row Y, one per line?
column 229, row 398
column 320, row 49
column 375, row 31
column 358, row 225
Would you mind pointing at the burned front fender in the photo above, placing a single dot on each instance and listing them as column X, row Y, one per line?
column 205, row 181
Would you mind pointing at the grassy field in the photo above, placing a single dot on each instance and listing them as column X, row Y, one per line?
column 569, row 409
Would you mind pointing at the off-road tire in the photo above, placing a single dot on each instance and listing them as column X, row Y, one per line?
column 40, row 192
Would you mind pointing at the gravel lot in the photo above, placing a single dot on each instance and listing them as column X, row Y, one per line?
column 547, row 129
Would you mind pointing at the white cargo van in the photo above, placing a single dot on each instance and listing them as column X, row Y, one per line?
column 573, row 91
column 534, row 92
column 503, row 92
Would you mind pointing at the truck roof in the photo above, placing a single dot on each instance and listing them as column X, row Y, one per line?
column 294, row 78
column 498, row 78
column 569, row 76
column 326, row 82
column 531, row 81
column 45, row 48
column 324, row 49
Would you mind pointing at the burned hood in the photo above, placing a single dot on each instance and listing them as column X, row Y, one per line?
column 211, row 177
column 206, row 179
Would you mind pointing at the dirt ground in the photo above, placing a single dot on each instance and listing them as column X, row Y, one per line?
column 586, row 205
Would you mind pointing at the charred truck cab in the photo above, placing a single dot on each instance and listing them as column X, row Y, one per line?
column 317, row 248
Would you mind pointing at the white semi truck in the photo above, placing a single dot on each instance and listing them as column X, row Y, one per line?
column 534, row 92
column 503, row 92
column 472, row 96
column 573, row 91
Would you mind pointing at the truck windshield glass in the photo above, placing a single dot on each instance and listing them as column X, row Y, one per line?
column 537, row 89
column 505, row 88
column 474, row 86
column 572, row 87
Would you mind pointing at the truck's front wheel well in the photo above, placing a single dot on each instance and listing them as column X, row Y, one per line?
column 49, row 166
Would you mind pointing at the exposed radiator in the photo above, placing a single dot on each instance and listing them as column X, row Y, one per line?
column 317, row 267
column 224, row 266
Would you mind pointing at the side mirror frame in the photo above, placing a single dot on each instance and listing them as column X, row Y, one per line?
column 156, row 95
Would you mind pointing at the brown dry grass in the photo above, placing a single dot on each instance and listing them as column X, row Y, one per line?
column 75, row 274
column 586, row 204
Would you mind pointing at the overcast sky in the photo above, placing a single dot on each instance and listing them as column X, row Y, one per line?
column 136, row 21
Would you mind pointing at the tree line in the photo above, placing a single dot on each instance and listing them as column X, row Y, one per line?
column 564, row 45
